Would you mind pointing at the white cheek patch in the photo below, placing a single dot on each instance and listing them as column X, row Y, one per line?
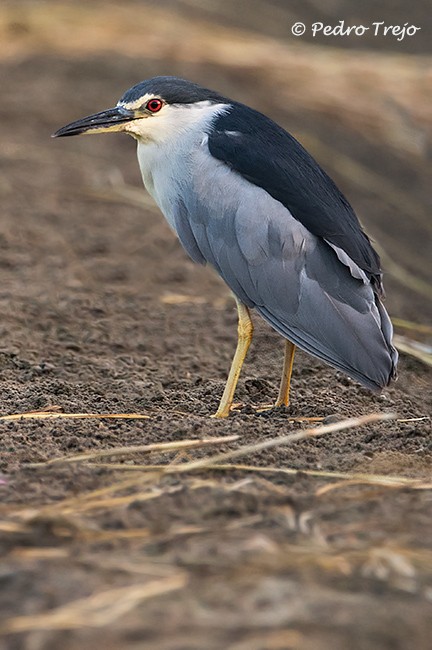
column 173, row 121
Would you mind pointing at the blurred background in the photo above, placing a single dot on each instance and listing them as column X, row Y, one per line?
column 360, row 104
column 102, row 312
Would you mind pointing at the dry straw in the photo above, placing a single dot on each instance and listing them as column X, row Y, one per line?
column 98, row 610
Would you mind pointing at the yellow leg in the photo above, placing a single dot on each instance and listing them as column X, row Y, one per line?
column 245, row 333
column 283, row 397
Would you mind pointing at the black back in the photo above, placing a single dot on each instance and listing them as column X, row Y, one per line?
column 268, row 156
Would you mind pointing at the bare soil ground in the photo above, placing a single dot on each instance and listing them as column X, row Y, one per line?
column 102, row 312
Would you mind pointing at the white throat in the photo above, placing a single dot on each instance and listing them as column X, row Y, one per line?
column 174, row 121
column 168, row 146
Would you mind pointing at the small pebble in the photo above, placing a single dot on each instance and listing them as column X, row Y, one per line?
column 331, row 419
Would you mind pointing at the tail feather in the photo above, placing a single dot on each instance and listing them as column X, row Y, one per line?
column 362, row 350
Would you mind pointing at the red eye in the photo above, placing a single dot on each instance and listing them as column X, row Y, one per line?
column 154, row 105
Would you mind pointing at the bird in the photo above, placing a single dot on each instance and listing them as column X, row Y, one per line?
column 244, row 196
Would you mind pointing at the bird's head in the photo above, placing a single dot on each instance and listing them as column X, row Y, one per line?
column 151, row 111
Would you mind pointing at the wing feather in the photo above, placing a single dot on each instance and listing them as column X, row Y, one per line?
column 293, row 278
column 266, row 155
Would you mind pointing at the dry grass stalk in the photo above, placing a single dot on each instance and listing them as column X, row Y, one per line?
column 12, row 527
column 40, row 553
column 352, row 477
column 111, row 504
column 286, row 440
column 97, row 610
column 62, row 513
column 105, row 491
column 93, row 536
column 414, row 348
column 384, row 481
column 407, row 278
column 123, row 193
column 95, row 499
column 40, row 415
column 409, row 325
column 139, row 449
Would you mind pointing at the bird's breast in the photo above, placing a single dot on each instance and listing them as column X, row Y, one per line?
column 166, row 174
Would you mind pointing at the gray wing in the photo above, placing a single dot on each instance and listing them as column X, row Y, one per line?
column 269, row 157
column 309, row 291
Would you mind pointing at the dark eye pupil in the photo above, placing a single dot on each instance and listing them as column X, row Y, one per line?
column 154, row 105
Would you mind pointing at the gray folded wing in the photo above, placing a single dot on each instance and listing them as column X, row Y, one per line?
column 309, row 291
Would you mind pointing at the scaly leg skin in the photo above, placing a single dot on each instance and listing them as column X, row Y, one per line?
column 283, row 397
column 245, row 333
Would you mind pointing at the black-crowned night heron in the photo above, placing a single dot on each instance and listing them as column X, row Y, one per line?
column 242, row 194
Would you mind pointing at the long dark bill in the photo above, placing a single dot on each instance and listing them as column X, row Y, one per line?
column 104, row 122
